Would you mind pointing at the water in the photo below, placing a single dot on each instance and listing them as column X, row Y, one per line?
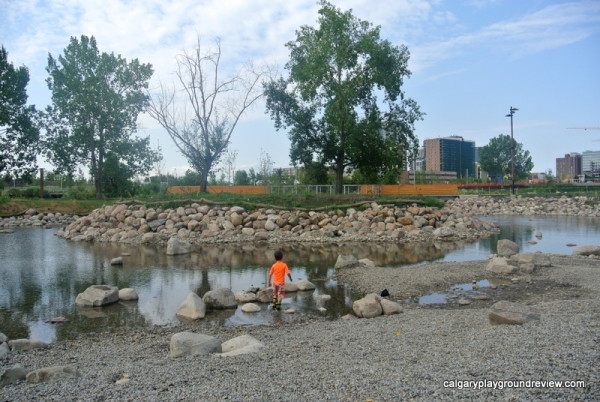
column 41, row 275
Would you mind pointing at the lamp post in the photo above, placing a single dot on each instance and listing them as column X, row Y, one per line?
column 512, row 148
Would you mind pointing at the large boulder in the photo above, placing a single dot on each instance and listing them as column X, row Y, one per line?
column 52, row 374
column 219, row 299
column 290, row 287
column 305, row 285
column 97, row 296
column 250, row 308
column 128, row 294
column 537, row 259
column 4, row 350
column 368, row 307
column 26, row 344
column 587, row 250
column 241, row 345
column 177, row 246
column 390, row 307
column 500, row 265
column 506, row 248
column 192, row 307
column 346, row 261
column 265, row 295
column 505, row 312
column 245, row 296
column 191, row 344
column 11, row 375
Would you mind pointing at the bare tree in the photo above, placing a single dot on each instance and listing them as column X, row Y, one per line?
column 202, row 122
column 230, row 158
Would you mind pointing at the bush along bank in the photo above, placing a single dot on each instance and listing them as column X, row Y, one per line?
column 197, row 223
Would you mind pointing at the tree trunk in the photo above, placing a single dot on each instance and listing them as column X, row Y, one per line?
column 339, row 177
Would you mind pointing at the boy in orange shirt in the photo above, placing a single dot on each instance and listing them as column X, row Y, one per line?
column 277, row 278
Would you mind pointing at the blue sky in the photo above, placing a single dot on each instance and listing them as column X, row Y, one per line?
column 471, row 60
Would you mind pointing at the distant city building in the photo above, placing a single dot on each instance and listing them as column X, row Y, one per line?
column 450, row 154
column 590, row 163
column 569, row 167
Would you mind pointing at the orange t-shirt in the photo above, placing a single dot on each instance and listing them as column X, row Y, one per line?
column 279, row 270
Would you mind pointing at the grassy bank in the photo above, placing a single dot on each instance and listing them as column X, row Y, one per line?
column 286, row 201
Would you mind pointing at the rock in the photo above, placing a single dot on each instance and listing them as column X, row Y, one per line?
column 117, row 261
column 538, row 259
column 444, row 232
column 305, row 285
column 346, row 261
column 192, row 344
column 3, row 338
column 176, row 246
column 123, row 381
column 12, row 375
column 290, row 287
column 245, row 297
column 265, row 295
column 570, row 244
column 348, row 317
column 538, row 235
column 4, row 350
column 505, row 312
column 261, row 236
column 368, row 307
column 241, row 345
column 366, row 263
column 192, row 307
column 52, row 374
column 587, row 250
column 248, row 231
column 390, row 307
column 323, row 297
column 97, row 296
column 289, row 311
column 128, row 294
column 506, row 248
column 527, row 268
column 499, row 265
column 219, row 299
column 250, row 308
column 464, row 302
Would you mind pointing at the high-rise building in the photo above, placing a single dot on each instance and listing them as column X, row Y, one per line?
column 450, row 154
column 590, row 163
column 569, row 167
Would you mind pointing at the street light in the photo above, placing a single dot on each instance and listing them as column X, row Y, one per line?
column 512, row 147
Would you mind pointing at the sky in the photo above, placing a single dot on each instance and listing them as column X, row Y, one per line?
column 471, row 61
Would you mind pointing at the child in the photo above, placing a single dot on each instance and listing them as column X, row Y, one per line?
column 277, row 278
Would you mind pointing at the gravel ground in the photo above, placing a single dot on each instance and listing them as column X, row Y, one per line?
column 406, row 356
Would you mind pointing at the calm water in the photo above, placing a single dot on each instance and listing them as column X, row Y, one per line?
column 41, row 275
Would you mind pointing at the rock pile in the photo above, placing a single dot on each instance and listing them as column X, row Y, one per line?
column 205, row 224
column 569, row 206
column 33, row 218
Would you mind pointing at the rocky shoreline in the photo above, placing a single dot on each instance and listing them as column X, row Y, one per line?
column 197, row 224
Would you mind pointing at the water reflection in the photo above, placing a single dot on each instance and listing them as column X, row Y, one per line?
column 41, row 275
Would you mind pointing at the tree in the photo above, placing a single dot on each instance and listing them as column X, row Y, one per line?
column 212, row 106
column 241, row 178
column 18, row 132
column 495, row 158
column 96, row 99
column 331, row 100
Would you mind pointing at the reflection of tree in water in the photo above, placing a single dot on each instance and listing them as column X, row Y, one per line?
column 14, row 324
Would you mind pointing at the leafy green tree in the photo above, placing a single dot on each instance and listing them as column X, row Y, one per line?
column 315, row 173
column 241, row 178
column 96, row 98
column 496, row 158
column 343, row 101
column 18, row 132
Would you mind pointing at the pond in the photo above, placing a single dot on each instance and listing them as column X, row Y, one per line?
column 41, row 275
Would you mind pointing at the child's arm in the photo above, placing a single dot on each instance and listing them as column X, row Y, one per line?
column 290, row 276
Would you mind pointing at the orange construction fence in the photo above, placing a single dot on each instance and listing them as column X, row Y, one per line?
column 411, row 189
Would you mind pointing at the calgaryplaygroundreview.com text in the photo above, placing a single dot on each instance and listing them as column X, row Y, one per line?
column 471, row 384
